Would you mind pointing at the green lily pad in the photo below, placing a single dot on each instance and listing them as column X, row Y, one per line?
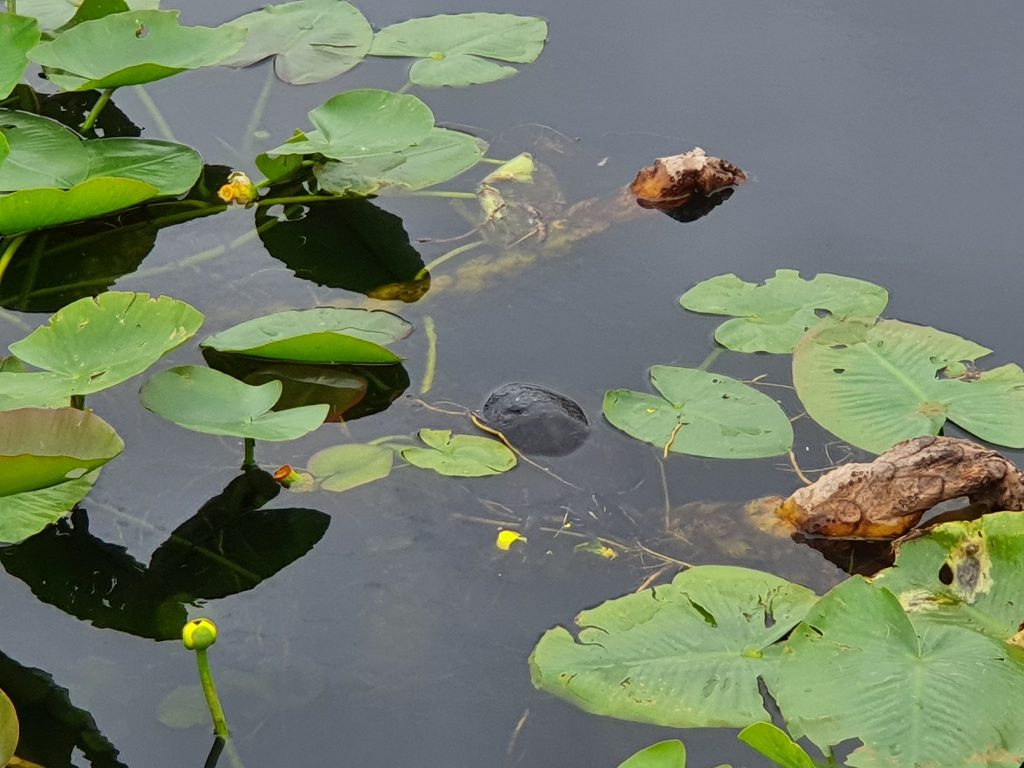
column 701, row 414
column 342, row 467
column 8, row 729
column 363, row 122
column 936, row 695
column 664, row 754
column 311, row 40
column 53, row 14
column 686, row 654
column 33, row 209
column 41, row 447
column 460, row 455
column 874, row 385
column 25, row 514
column 34, row 390
column 772, row 317
column 130, row 49
column 18, row 35
column 205, row 400
column 171, row 168
column 43, row 153
column 97, row 343
column 443, row 155
column 324, row 336
column 775, row 744
column 460, row 49
column 5, row 148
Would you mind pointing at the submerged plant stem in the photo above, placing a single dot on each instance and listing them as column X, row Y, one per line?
column 249, row 461
column 441, row 193
column 94, row 113
column 220, row 725
column 428, row 375
column 444, row 257
column 268, row 201
column 154, row 112
column 710, row 359
column 10, row 249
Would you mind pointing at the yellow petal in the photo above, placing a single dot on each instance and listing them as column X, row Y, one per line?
column 507, row 538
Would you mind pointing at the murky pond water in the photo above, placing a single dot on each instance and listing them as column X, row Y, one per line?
column 883, row 142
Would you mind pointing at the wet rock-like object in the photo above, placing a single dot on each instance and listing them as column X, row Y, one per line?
column 686, row 186
column 536, row 420
column 886, row 498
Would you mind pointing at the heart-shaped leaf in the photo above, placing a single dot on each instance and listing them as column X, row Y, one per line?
column 701, row 414
column 205, row 400
column 40, row 447
column 460, row 49
column 311, row 40
column 773, row 316
column 130, row 49
column 25, row 514
column 342, row 467
column 874, row 385
column 18, row 35
column 460, row 455
column 323, row 336
column 97, row 343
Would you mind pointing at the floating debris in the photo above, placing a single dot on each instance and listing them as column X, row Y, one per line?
column 686, row 186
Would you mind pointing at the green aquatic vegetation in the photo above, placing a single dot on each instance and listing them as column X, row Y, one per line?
column 463, row 49
column 318, row 336
column 459, row 455
column 8, row 729
column 701, row 414
column 198, row 635
column 665, row 754
column 18, row 35
column 775, row 744
column 773, row 316
column 55, row 14
column 343, row 467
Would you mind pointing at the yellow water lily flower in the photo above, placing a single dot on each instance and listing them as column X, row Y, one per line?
column 507, row 538
column 239, row 190
column 199, row 634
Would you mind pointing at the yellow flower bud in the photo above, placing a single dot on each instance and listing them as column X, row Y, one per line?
column 239, row 189
column 199, row 634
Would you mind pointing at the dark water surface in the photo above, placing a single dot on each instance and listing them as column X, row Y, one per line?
column 884, row 142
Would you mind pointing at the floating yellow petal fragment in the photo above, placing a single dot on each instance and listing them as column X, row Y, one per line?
column 507, row 538
column 519, row 168
column 239, row 189
column 597, row 548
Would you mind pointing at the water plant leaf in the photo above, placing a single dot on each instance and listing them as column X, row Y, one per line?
column 53, row 14
column 363, row 122
column 43, row 153
column 95, row 9
column 99, row 342
column 342, row 467
column 903, row 687
column 443, row 155
column 5, row 148
column 18, row 35
column 130, row 49
column 311, row 40
column 33, row 209
column 460, row 49
column 687, row 654
column 8, row 729
column 171, row 168
column 459, row 455
column 41, row 447
column 25, row 514
column 775, row 744
column 324, row 335
column 875, row 384
column 33, row 390
column 205, row 400
column 665, row 754
column 772, row 317
column 701, row 414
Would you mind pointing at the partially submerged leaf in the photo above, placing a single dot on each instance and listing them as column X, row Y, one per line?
column 460, row 455
column 33, row 209
column 18, row 35
column 463, row 49
column 311, row 40
column 664, row 754
column 772, row 317
column 25, row 514
column 343, row 467
column 775, row 744
column 701, row 414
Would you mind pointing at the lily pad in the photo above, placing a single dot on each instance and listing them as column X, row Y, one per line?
column 34, row 390
column 33, row 209
column 41, row 447
column 43, row 153
column 53, row 14
column 205, row 400
column 171, row 168
column 18, row 35
column 701, row 414
column 874, row 385
column 460, row 455
column 363, row 122
column 775, row 744
column 773, row 316
column 130, row 49
column 8, row 729
column 25, row 514
column 323, row 336
column 463, row 49
column 664, row 754
column 687, row 654
column 311, row 40
column 97, row 343
column 342, row 467
column 443, row 155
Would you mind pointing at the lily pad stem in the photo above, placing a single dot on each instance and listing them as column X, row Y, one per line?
column 267, row 201
column 154, row 112
column 444, row 257
column 441, row 193
column 10, row 249
column 94, row 113
column 220, row 724
column 249, row 461
column 710, row 359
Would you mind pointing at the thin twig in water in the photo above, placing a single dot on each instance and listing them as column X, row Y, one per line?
column 516, row 731
column 651, row 578
column 497, row 433
column 796, row 468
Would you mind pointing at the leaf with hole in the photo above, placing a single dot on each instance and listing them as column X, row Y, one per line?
column 130, row 49
column 342, row 467
column 463, row 49
column 18, row 35
column 324, row 336
column 772, row 317
column 205, row 400
column 310, row 40
column 701, row 414
column 875, row 384
column 459, row 455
